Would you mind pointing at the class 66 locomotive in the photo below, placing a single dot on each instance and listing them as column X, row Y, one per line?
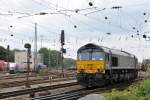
column 97, row 65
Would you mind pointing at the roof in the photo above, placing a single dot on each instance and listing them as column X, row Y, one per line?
column 105, row 49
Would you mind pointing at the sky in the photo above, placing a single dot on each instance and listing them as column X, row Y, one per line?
column 81, row 22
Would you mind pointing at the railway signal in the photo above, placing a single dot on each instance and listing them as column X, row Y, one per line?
column 144, row 36
column 62, row 38
column 28, row 46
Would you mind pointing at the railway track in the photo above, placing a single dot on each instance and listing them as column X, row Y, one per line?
column 34, row 90
column 15, row 76
column 76, row 94
column 71, row 95
column 32, row 81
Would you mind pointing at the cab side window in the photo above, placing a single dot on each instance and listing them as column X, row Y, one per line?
column 114, row 61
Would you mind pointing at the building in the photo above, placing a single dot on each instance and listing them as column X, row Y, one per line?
column 21, row 59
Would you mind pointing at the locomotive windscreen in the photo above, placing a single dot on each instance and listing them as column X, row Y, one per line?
column 90, row 54
column 97, row 56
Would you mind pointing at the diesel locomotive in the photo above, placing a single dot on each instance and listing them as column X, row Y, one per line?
column 98, row 65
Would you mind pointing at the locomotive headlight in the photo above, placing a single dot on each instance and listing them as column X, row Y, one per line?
column 81, row 70
column 98, row 70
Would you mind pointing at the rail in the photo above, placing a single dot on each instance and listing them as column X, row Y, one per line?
column 76, row 94
column 33, row 81
column 34, row 90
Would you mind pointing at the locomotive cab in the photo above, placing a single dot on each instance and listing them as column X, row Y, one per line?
column 90, row 61
column 90, row 65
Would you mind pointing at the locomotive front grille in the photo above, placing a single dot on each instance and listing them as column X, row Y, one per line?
column 90, row 67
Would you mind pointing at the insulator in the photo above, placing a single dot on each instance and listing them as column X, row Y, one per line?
column 90, row 4
column 132, row 36
column 145, row 21
column 144, row 36
column 77, row 10
column 108, row 33
column 75, row 26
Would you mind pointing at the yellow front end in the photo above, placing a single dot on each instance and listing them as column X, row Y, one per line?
column 90, row 67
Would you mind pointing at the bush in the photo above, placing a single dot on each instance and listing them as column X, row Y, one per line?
column 144, row 89
column 120, row 95
column 137, row 92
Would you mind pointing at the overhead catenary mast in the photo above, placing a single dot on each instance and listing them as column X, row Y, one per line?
column 35, row 47
column 41, row 39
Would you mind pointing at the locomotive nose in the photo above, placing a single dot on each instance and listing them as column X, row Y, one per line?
column 91, row 67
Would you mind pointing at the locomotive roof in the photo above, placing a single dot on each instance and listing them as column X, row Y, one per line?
column 105, row 49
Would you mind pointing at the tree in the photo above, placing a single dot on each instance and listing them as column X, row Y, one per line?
column 11, row 55
column 45, row 53
column 69, row 62
column 3, row 53
column 55, row 58
column 146, row 62
column 51, row 57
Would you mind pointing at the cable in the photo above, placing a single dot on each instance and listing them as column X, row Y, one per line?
column 94, row 11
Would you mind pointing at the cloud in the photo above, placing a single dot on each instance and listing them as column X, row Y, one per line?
column 79, row 29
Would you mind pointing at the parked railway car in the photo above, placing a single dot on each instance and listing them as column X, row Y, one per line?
column 2, row 65
column 99, row 65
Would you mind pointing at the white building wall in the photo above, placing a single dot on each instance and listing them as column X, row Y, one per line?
column 21, row 58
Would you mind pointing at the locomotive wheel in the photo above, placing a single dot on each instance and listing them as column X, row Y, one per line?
column 107, row 82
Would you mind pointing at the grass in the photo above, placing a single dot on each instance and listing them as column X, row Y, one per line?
column 137, row 92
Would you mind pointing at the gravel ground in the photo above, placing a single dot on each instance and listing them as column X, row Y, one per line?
column 55, row 91
column 93, row 97
column 66, row 89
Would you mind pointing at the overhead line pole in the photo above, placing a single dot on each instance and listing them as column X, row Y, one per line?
column 35, row 47
column 41, row 40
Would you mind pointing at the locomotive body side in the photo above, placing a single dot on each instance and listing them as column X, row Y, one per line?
column 97, row 65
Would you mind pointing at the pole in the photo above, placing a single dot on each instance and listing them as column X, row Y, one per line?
column 49, row 67
column 62, row 63
column 57, row 63
column 7, row 57
column 35, row 47
column 41, row 40
column 28, row 68
column 62, row 38
column 28, row 46
column 41, row 43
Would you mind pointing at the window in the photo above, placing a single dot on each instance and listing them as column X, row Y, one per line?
column 84, row 56
column 114, row 61
column 91, row 54
column 97, row 56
